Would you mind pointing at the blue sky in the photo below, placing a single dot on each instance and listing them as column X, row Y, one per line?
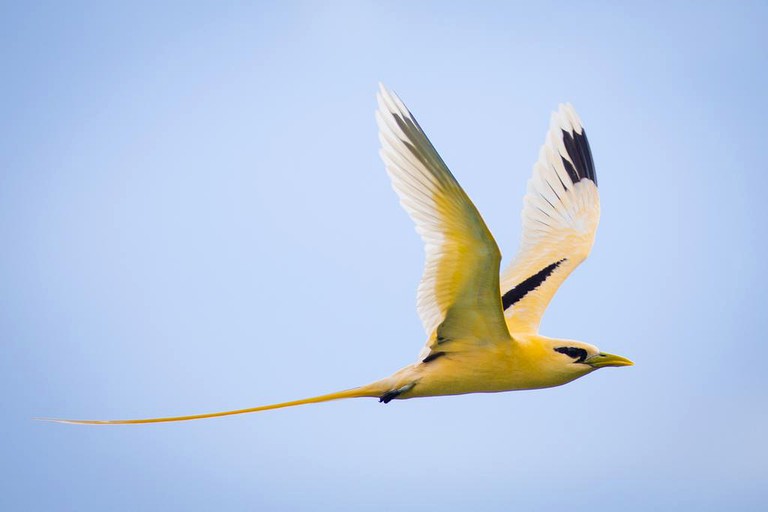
column 194, row 218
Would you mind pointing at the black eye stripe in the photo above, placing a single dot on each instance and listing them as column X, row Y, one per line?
column 576, row 353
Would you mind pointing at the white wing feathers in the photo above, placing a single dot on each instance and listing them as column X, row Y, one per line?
column 561, row 212
column 458, row 298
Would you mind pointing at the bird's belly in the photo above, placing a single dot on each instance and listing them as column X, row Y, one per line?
column 456, row 375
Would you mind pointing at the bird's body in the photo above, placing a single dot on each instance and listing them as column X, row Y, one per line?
column 501, row 365
column 482, row 327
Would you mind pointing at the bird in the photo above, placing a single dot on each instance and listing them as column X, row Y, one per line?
column 481, row 324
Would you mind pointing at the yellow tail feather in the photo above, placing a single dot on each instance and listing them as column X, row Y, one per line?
column 365, row 391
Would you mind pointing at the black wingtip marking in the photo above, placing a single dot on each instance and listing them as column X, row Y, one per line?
column 521, row 290
column 581, row 165
column 432, row 356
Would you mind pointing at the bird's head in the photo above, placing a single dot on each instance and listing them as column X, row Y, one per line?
column 576, row 358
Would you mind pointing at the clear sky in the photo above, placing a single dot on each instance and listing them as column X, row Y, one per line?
column 194, row 217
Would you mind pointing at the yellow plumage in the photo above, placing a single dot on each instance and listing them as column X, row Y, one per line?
column 482, row 328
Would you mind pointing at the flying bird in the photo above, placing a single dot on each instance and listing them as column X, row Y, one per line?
column 482, row 327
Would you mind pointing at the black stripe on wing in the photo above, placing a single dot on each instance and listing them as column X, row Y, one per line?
column 577, row 146
column 517, row 293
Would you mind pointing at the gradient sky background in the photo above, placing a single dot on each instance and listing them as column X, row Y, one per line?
column 194, row 217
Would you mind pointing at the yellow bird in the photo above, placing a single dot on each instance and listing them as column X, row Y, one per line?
column 482, row 328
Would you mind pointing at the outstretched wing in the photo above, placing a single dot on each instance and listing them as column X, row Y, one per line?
column 561, row 211
column 458, row 297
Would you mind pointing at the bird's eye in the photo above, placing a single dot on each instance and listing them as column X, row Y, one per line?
column 579, row 354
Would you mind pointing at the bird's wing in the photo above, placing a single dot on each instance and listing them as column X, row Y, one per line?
column 561, row 211
column 458, row 297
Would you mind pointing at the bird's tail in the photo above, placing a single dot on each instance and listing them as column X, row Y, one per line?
column 371, row 390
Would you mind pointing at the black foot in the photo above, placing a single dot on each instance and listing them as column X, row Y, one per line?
column 389, row 395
